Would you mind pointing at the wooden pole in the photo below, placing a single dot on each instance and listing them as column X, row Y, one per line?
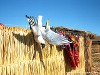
column 87, row 44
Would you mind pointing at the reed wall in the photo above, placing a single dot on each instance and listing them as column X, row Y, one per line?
column 96, row 58
column 21, row 55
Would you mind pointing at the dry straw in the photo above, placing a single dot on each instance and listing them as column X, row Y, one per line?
column 21, row 55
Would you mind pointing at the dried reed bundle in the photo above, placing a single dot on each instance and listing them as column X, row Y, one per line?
column 21, row 55
column 17, row 48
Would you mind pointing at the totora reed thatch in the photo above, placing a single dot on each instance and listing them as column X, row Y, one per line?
column 21, row 55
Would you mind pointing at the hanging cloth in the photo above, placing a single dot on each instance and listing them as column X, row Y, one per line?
column 73, row 50
column 1, row 24
column 70, row 54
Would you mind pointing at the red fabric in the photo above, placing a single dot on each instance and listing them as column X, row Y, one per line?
column 76, row 54
column 60, row 33
column 72, row 49
column 73, row 52
column 1, row 24
column 70, row 55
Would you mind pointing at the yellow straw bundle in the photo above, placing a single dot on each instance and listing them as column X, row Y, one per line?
column 21, row 55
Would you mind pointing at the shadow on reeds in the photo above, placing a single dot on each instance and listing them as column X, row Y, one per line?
column 25, row 39
column 67, row 61
column 59, row 48
column 29, row 41
column 38, row 48
column 68, row 67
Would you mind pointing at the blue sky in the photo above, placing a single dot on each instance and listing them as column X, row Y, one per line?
column 76, row 14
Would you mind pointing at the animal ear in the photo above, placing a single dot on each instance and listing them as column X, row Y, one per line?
column 47, row 23
column 27, row 16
